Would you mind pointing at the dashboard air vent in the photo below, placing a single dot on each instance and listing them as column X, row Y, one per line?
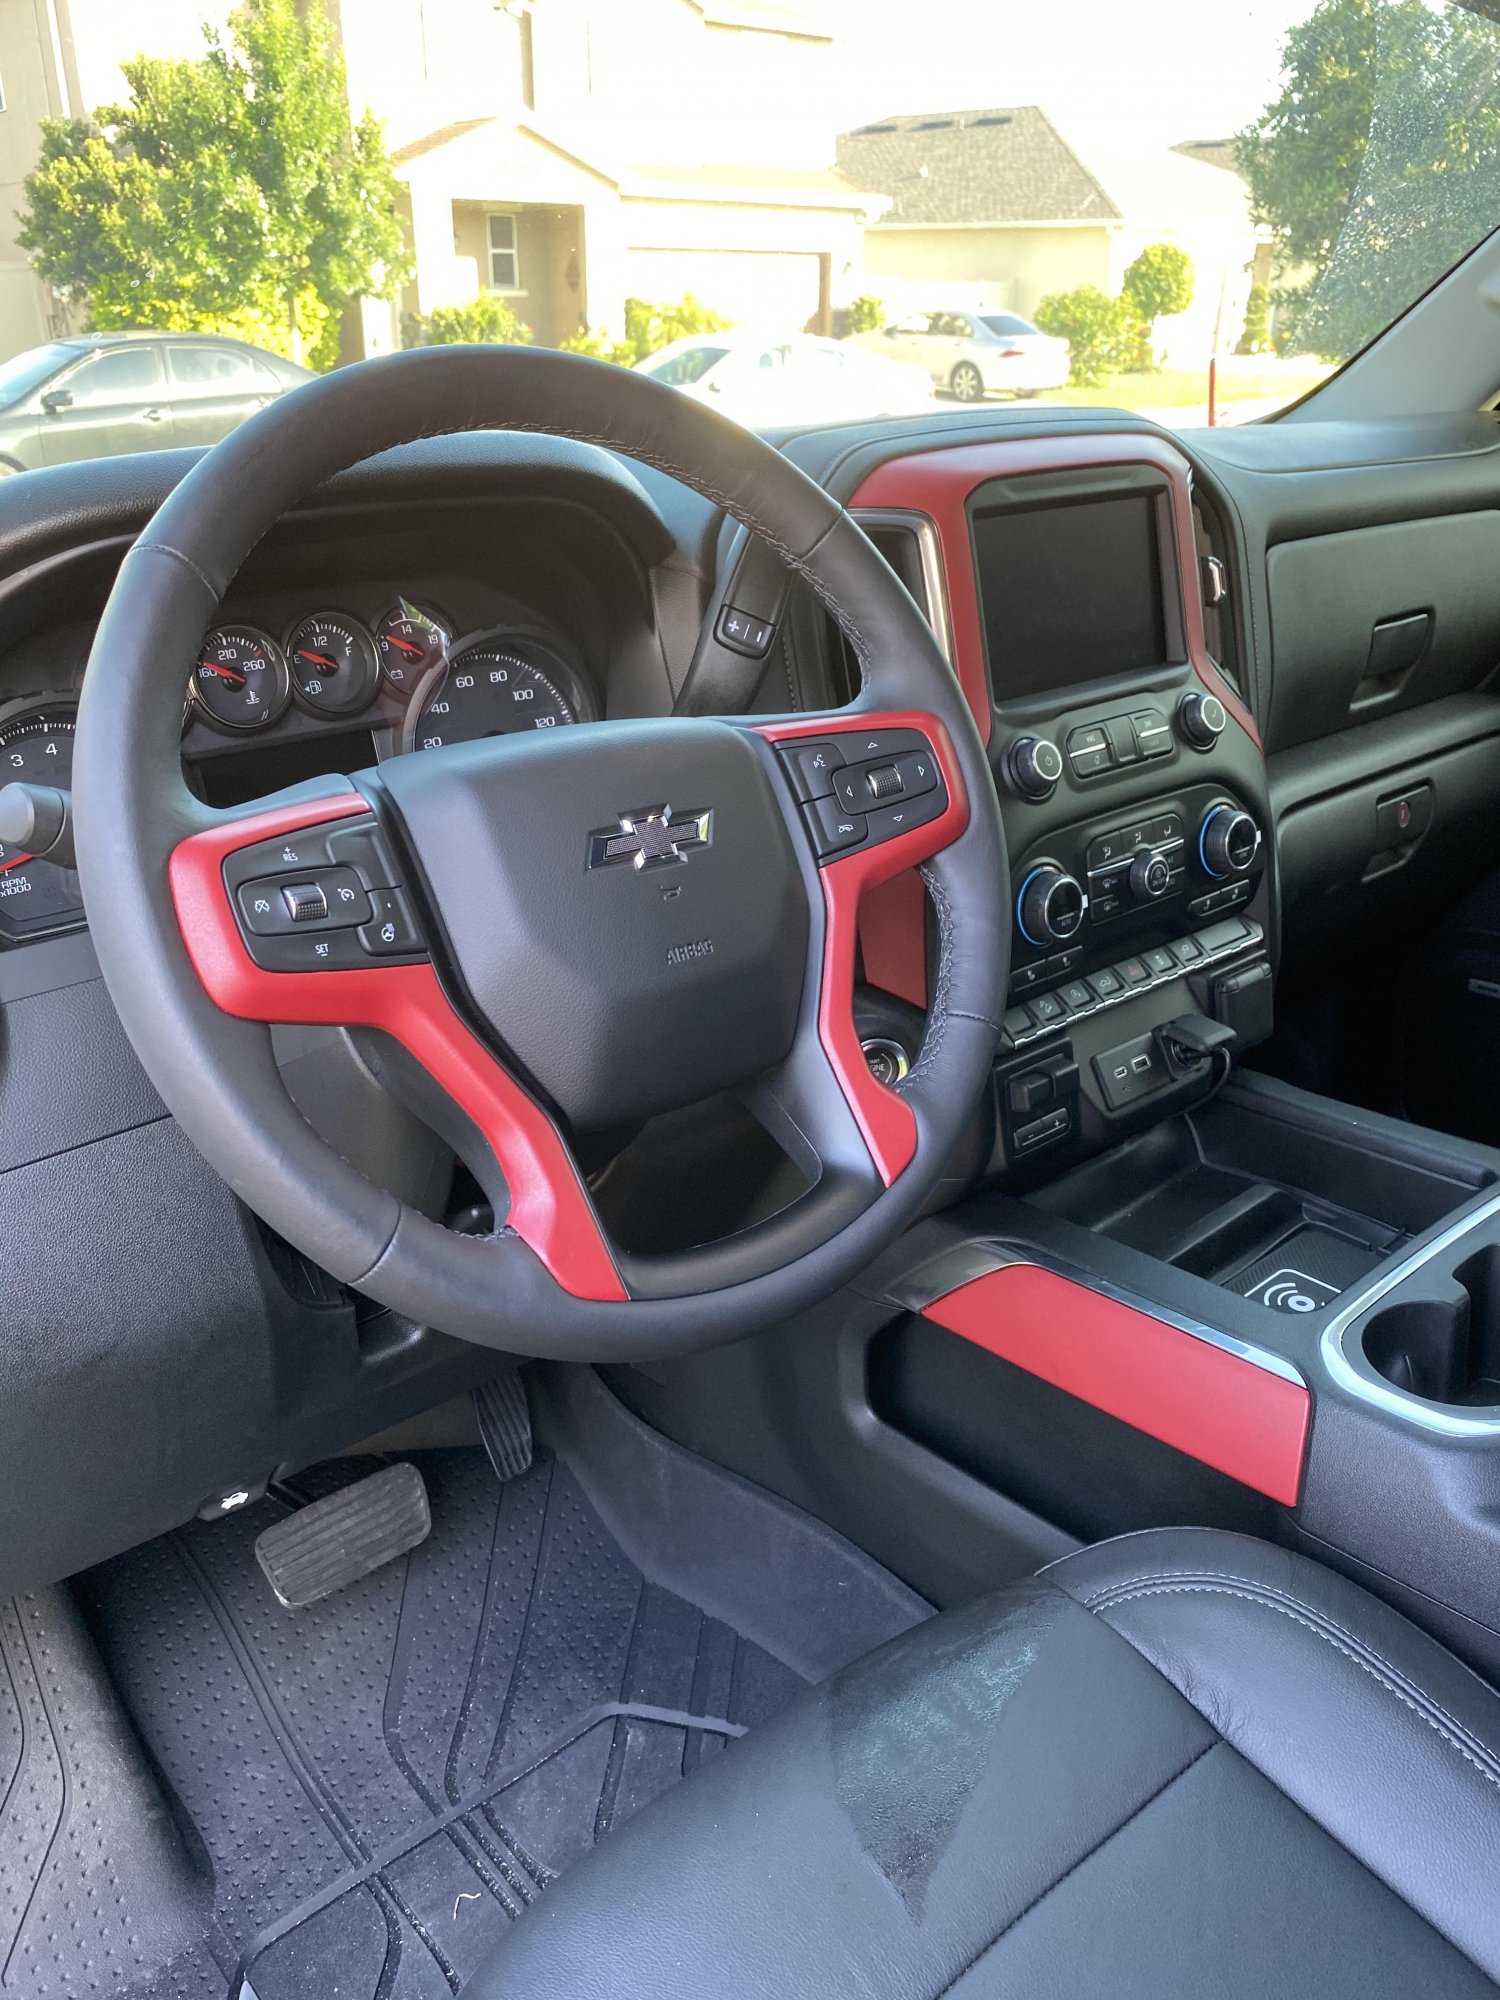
column 1216, row 577
column 900, row 542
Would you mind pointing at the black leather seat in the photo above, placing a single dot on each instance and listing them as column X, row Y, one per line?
column 1181, row 1763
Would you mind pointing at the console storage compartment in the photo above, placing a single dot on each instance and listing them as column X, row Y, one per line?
column 1269, row 1193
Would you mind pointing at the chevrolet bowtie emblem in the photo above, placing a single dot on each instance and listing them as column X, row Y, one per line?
column 651, row 838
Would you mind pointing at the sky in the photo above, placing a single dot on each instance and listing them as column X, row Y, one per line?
column 1174, row 69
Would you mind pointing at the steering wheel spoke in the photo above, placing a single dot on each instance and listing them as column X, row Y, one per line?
column 876, row 794
column 297, row 913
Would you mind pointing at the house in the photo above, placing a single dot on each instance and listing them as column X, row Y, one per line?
column 996, row 208
column 567, row 154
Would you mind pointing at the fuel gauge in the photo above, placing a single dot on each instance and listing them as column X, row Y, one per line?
column 333, row 664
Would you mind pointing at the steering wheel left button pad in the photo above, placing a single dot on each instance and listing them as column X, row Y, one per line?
column 327, row 898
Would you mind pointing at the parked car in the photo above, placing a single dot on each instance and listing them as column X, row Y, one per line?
column 802, row 379
column 972, row 355
column 105, row 393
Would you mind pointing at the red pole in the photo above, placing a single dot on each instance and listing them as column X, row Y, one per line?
column 1213, row 389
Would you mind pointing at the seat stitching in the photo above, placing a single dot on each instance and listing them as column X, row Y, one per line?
column 1088, row 1854
column 1268, row 1594
column 1482, row 1763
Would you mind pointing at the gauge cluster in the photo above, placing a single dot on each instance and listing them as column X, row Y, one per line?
column 269, row 703
column 408, row 674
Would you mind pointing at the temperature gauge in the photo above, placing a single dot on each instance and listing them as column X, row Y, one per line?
column 241, row 679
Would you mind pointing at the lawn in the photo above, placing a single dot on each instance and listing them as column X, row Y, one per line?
column 1242, row 379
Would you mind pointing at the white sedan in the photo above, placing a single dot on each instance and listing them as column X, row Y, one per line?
column 972, row 355
column 800, row 379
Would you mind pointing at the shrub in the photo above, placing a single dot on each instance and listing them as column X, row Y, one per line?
column 1102, row 332
column 647, row 328
column 1256, row 337
column 866, row 314
column 488, row 320
column 1160, row 281
column 598, row 347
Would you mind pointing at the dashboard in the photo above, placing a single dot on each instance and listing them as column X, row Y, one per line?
column 1181, row 797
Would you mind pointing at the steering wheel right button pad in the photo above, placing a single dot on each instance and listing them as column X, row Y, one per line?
column 888, row 783
column 324, row 899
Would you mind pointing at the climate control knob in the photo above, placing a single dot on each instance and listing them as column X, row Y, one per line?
column 1228, row 841
column 1050, row 906
column 1200, row 720
column 1150, row 875
column 1034, row 764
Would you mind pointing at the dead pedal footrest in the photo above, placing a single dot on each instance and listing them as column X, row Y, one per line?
column 335, row 1541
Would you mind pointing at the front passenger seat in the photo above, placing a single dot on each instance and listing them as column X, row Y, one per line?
column 1180, row 1763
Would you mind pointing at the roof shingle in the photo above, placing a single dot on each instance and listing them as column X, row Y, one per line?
column 999, row 166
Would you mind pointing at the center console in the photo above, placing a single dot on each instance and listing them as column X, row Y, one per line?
column 1130, row 775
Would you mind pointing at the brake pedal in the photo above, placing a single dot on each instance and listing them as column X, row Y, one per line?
column 335, row 1541
column 504, row 1424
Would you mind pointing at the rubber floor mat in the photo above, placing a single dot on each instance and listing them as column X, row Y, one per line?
column 378, row 1784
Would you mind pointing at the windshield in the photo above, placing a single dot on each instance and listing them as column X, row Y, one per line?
column 27, row 371
column 1193, row 211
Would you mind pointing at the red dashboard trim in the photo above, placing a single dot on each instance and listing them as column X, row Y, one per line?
column 884, row 1117
column 1218, row 1407
column 938, row 483
column 550, row 1208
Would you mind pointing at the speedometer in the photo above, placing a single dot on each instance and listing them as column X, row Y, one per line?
column 496, row 687
column 36, row 748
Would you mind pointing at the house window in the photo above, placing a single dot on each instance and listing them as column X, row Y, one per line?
column 505, row 264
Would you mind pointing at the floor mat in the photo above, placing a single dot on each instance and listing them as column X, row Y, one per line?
column 377, row 1785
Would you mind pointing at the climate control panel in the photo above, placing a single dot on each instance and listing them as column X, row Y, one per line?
column 1173, row 864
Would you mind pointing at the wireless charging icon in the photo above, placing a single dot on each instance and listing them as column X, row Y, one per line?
column 1289, row 1291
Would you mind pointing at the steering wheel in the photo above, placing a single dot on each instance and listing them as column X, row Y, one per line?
column 561, row 931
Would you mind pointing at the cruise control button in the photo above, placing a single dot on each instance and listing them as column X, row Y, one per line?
column 812, row 766
column 834, row 831
column 365, row 849
column 392, row 929
column 888, row 821
column 304, row 902
column 261, row 907
column 307, row 951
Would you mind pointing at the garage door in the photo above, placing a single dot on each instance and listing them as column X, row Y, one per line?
column 773, row 290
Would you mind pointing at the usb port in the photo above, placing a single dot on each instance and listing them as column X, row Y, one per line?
column 1140, row 1064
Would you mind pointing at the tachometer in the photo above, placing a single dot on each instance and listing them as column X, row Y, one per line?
column 494, row 687
column 241, row 679
column 36, row 748
column 332, row 663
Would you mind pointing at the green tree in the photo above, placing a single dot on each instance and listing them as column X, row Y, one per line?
column 866, row 314
column 1378, row 163
column 487, row 319
column 231, row 192
column 1102, row 332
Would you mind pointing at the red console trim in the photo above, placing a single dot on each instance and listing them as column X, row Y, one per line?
column 938, row 483
column 1216, row 1406
column 550, row 1208
column 884, row 1117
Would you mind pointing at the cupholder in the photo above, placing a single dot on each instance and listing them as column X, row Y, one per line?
column 1443, row 1344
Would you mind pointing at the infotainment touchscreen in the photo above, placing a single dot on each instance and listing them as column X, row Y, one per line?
column 1069, row 591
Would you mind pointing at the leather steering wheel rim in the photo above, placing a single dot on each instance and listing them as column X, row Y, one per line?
column 136, row 820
